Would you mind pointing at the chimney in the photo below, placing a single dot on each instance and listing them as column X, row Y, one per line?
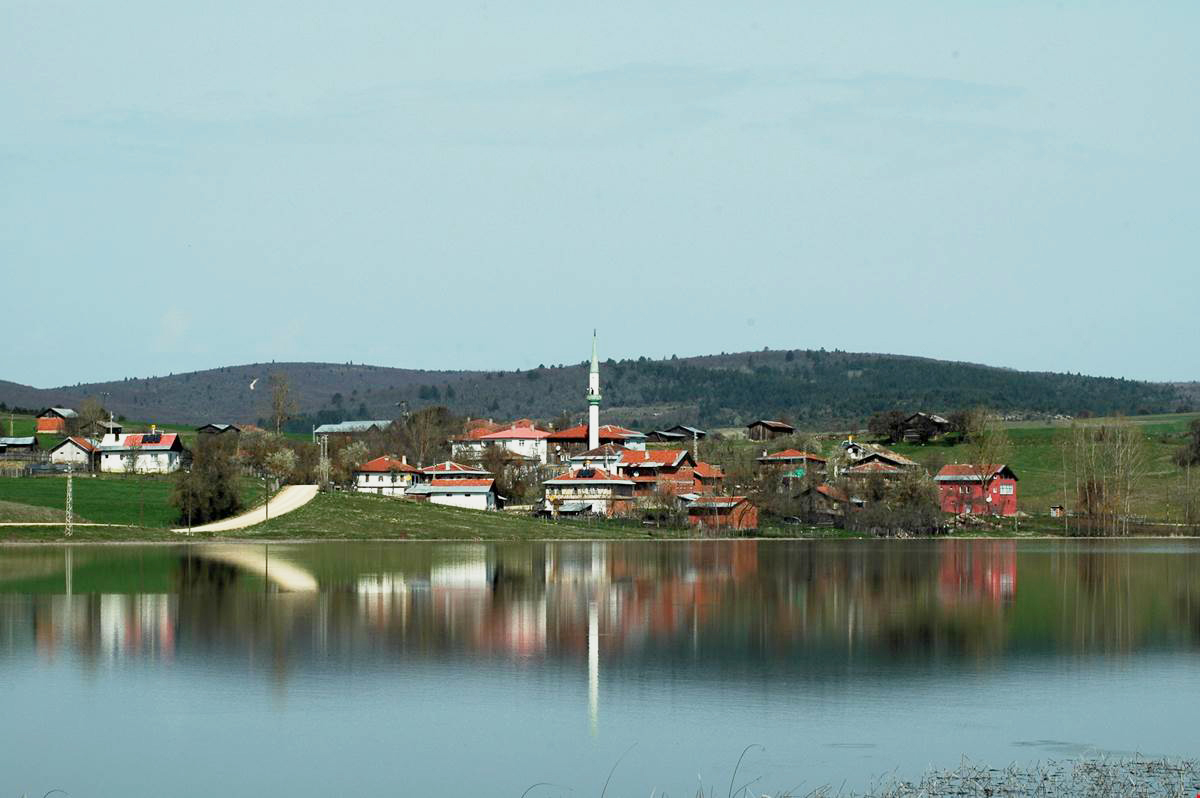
column 404, row 459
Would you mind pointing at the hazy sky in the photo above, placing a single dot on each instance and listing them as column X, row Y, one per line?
column 185, row 186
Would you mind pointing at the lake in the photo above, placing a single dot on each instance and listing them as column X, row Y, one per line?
column 473, row 669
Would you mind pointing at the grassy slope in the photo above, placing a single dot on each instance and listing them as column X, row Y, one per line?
column 360, row 516
column 1037, row 459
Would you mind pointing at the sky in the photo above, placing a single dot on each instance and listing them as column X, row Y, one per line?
column 436, row 185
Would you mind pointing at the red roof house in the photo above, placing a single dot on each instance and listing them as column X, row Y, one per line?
column 978, row 489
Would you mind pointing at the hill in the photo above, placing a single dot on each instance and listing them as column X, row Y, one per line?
column 811, row 387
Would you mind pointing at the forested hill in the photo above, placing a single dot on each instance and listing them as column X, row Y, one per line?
column 809, row 387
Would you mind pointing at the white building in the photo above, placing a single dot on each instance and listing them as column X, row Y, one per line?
column 588, row 490
column 76, row 451
column 141, row 453
column 385, row 476
column 472, row 494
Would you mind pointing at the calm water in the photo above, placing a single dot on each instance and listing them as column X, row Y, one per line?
column 452, row 670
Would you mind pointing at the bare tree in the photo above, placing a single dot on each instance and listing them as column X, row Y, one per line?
column 280, row 464
column 1110, row 463
column 283, row 406
column 987, row 447
column 349, row 458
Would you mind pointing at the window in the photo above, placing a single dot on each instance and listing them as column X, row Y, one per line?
column 1007, row 490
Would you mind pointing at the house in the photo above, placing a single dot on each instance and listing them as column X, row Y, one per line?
column 24, row 445
column 98, row 429
column 573, row 440
column 588, row 490
column 522, row 439
column 720, row 512
column 920, row 427
column 385, row 476
column 977, row 489
column 466, row 492
column 605, row 457
column 766, row 429
column 793, row 461
column 676, row 434
column 709, row 477
column 827, row 503
column 141, row 452
column 866, row 459
column 659, row 471
column 55, row 420
column 219, row 429
column 76, row 451
column 352, row 427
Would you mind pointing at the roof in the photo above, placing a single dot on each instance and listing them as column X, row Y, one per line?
column 653, row 458
column 574, row 506
column 351, row 426
column 603, row 450
column 933, row 417
column 684, row 429
column 144, row 442
column 837, row 494
column 446, row 486
column 218, row 428
column 609, row 432
column 515, row 432
column 28, row 440
column 386, row 464
column 879, row 452
column 82, row 443
column 715, row 502
column 588, row 475
column 666, row 434
column 791, row 454
column 965, row 472
column 64, row 412
column 873, row 467
column 451, row 467
column 782, row 426
column 708, row 471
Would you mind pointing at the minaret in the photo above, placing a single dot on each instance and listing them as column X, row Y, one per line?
column 593, row 398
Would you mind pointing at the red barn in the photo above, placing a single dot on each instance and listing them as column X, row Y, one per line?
column 979, row 489
column 54, row 420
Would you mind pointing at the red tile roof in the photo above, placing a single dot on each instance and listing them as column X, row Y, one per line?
column 653, row 458
column 166, row 440
column 966, row 472
column 708, row 471
column 516, row 432
column 718, row 501
column 386, row 464
column 608, row 432
column 593, row 475
column 837, row 494
column 873, row 467
column 461, row 483
column 82, row 443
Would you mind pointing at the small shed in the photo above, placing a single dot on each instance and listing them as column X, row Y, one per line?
column 766, row 429
column 54, row 420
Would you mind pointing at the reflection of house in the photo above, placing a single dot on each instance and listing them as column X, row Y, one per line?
column 76, row 451
column 720, row 512
column 766, row 429
column 385, row 476
column 54, row 420
column 147, row 452
column 979, row 489
column 588, row 490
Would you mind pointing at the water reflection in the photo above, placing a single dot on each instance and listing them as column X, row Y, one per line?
column 615, row 604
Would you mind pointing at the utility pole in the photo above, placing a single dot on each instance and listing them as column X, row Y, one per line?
column 70, row 503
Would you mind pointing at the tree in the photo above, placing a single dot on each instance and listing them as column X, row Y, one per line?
column 888, row 425
column 91, row 413
column 987, row 447
column 208, row 491
column 349, row 458
column 280, row 464
column 427, row 431
column 1110, row 463
column 1189, row 453
column 283, row 406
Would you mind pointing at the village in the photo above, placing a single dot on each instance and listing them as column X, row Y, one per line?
column 591, row 470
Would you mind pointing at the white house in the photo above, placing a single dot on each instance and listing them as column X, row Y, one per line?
column 385, row 476
column 147, row 452
column 76, row 451
column 473, row 494
column 522, row 439
column 588, row 490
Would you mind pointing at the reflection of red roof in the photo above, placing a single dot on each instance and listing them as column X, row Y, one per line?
column 386, row 464
column 708, row 471
column 794, row 454
column 461, row 483
column 653, row 458
column 516, row 432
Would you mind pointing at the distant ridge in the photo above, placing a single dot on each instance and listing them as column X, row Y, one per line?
column 810, row 387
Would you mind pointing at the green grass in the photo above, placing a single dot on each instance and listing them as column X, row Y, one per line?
column 365, row 517
column 142, row 501
column 92, row 534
